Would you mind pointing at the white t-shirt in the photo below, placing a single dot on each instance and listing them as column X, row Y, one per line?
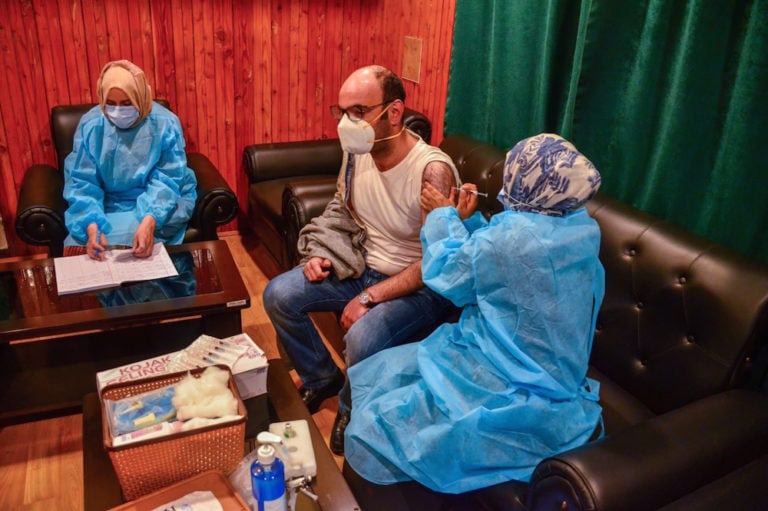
column 388, row 205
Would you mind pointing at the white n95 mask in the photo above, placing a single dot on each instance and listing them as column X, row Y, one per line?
column 122, row 116
column 358, row 137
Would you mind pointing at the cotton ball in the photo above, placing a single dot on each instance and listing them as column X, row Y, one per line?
column 185, row 391
column 207, row 396
column 213, row 406
column 214, row 377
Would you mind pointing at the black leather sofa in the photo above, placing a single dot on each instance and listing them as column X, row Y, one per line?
column 679, row 352
column 41, row 206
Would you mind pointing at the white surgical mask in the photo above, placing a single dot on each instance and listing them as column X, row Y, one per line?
column 122, row 116
column 358, row 137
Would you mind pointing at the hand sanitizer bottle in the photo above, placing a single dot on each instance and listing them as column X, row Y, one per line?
column 268, row 480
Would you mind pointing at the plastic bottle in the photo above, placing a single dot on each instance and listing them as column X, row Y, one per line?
column 268, row 480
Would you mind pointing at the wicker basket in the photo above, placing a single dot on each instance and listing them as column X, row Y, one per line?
column 145, row 466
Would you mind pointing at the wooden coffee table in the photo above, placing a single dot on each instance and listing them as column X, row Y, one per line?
column 51, row 346
column 282, row 403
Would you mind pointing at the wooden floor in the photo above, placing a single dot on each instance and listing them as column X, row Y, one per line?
column 41, row 466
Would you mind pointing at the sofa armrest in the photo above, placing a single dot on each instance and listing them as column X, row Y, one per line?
column 216, row 202
column 659, row 460
column 303, row 201
column 41, row 206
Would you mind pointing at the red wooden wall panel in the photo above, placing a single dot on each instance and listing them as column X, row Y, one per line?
column 236, row 72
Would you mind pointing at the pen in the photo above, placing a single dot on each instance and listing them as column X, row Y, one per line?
column 473, row 192
column 98, row 240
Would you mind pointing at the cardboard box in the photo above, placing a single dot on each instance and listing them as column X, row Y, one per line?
column 249, row 370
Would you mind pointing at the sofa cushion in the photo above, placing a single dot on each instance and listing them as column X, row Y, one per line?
column 620, row 408
column 744, row 489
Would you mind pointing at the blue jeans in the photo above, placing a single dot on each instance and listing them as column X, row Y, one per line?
column 289, row 298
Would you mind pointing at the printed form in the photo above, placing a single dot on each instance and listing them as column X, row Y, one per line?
column 81, row 273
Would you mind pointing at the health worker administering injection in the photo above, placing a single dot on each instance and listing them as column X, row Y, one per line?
column 484, row 400
column 126, row 180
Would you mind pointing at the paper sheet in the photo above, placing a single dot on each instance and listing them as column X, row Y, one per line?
column 81, row 273
column 195, row 501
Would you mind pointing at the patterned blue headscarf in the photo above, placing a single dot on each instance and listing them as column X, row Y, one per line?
column 546, row 174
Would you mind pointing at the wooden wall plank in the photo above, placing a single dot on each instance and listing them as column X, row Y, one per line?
column 119, row 30
column 295, row 96
column 65, row 61
column 164, row 83
column 76, row 54
column 236, row 72
column 97, row 43
column 244, row 74
column 178, row 56
column 144, row 43
column 27, row 73
column 281, row 69
column 55, row 85
column 20, row 137
column 200, row 58
column 224, row 110
column 7, row 104
column 264, row 117
column 188, row 66
column 315, row 61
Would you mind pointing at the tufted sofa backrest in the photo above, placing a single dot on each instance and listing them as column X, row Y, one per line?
column 682, row 317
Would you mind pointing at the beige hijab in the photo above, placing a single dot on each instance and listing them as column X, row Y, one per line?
column 128, row 77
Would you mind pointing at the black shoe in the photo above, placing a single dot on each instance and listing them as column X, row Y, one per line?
column 313, row 398
column 337, row 433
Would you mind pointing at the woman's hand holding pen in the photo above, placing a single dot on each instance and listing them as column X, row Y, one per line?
column 97, row 243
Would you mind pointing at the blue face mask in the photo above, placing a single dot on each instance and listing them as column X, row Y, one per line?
column 122, row 116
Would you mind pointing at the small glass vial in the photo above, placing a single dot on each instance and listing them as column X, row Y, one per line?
column 268, row 480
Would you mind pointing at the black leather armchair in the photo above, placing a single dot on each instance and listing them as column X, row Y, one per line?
column 41, row 206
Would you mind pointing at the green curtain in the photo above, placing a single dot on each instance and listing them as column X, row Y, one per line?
column 669, row 99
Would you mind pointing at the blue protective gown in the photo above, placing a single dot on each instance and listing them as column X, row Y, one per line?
column 115, row 177
column 484, row 400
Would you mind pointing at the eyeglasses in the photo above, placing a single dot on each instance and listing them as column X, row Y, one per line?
column 355, row 112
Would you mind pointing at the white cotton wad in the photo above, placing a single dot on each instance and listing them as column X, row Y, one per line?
column 207, row 396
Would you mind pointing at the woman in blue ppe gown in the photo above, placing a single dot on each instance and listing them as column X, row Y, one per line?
column 484, row 400
column 126, row 180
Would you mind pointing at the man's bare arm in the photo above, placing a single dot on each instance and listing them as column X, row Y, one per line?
column 440, row 175
column 400, row 284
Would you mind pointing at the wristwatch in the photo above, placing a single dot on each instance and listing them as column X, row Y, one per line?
column 365, row 298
